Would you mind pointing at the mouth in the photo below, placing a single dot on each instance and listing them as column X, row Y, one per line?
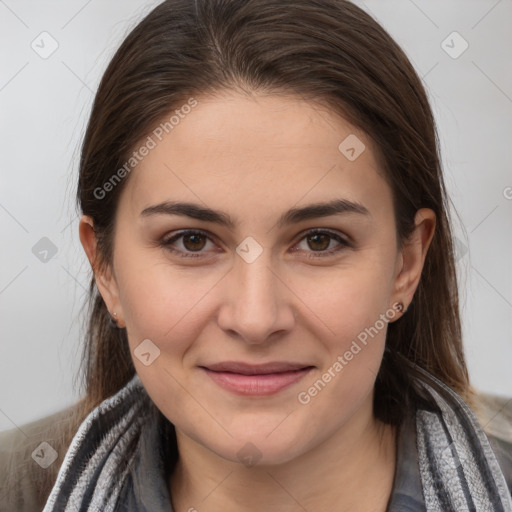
column 256, row 380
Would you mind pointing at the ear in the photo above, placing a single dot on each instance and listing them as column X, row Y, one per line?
column 411, row 257
column 104, row 277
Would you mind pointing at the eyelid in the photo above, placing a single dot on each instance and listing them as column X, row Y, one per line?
column 335, row 234
column 183, row 232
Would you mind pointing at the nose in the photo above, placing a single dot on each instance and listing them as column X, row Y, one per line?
column 257, row 304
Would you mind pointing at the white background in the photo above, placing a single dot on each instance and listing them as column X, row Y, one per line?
column 44, row 104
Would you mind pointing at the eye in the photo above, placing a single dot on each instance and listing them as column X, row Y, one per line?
column 191, row 243
column 194, row 243
column 323, row 243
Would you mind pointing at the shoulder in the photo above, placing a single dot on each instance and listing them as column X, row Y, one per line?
column 495, row 415
column 30, row 456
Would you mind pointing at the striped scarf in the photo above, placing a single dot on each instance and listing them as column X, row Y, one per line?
column 459, row 471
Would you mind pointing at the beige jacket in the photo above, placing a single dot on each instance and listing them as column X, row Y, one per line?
column 23, row 459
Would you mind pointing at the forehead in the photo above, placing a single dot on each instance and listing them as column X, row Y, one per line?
column 234, row 125
column 235, row 148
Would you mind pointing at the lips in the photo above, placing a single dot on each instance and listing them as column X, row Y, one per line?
column 259, row 379
column 255, row 369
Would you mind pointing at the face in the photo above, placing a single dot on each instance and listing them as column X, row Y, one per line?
column 255, row 267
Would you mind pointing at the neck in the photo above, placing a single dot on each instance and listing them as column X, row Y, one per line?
column 353, row 469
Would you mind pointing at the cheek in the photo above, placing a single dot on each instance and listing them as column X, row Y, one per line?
column 350, row 298
column 354, row 305
column 161, row 302
column 353, row 354
column 168, row 307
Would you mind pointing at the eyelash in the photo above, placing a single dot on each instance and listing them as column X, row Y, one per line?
column 166, row 243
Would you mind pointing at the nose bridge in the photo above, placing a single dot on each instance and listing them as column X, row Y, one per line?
column 257, row 304
column 257, row 285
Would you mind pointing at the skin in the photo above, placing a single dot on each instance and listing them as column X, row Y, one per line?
column 255, row 157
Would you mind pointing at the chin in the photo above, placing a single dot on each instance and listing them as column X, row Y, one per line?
column 261, row 452
column 262, row 445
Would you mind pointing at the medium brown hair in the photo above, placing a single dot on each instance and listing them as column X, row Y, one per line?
column 329, row 51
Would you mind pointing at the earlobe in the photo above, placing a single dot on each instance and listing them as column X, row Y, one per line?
column 103, row 275
column 413, row 255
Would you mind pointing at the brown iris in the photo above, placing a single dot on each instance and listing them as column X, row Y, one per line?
column 194, row 242
column 319, row 241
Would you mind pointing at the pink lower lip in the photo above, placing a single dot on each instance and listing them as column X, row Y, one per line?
column 262, row 384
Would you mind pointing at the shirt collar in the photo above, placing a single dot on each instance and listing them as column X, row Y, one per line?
column 407, row 492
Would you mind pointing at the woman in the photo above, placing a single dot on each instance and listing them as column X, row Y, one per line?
column 275, row 322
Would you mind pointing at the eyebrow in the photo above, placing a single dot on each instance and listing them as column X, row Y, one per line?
column 292, row 216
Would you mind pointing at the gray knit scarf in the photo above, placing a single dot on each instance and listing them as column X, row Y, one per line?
column 459, row 471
